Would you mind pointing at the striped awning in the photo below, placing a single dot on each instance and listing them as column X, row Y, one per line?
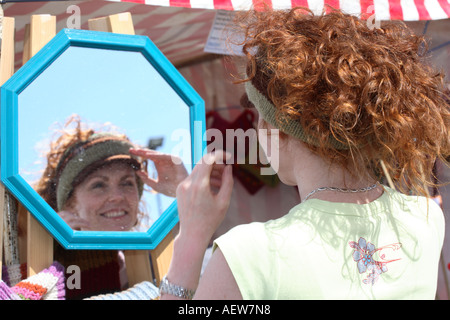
column 407, row 10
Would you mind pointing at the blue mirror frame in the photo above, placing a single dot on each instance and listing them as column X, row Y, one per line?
column 30, row 199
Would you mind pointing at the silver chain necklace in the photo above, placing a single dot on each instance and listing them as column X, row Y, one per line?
column 340, row 190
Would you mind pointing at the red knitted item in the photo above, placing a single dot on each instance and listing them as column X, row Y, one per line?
column 30, row 290
column 99, row 271
column 250, row 179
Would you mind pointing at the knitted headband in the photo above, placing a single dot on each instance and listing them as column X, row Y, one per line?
column 258, row 97
column 85, row 157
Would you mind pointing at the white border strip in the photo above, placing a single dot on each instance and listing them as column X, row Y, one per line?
column 410, row 12
column 435, row 10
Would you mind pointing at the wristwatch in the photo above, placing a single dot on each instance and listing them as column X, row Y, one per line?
column 174, row 290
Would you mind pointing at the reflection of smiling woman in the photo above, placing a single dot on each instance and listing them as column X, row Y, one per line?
column 107, row 199
column 95, row 183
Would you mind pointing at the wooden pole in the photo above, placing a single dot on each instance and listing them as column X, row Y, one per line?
column 6, row 71
column 116, row 23
column 39, row 241
column 7, row 50
column 42, row 30
column 162, row 256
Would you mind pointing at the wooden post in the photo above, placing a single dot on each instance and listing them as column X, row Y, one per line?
column 2, row 206
column 7, row 50
column 99, row 24
column 121, row 23
column 138, row 266
column 6, row 71
column 116, row 23
column 26, row 54
column 39, row 245
column 39, row 241
column 162, row 256
column 42, row 30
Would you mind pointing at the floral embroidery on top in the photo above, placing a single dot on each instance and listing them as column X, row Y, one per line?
column 363, row 255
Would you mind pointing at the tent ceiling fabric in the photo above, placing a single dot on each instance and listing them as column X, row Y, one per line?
column 180, row 33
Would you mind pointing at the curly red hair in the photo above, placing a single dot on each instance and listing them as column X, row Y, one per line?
column 369, row 88
column 73, row 131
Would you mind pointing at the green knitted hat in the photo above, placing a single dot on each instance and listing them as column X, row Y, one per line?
column 256, row 93
column 85, row 157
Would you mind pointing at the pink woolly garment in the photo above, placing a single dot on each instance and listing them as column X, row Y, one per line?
column 6, row 293
column 46, row 285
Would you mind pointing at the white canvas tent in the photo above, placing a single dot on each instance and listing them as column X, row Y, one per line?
column 180, row 29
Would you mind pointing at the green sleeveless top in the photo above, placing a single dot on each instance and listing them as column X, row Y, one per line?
column 387, row 249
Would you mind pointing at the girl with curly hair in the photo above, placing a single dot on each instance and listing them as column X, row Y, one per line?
column 350, row 102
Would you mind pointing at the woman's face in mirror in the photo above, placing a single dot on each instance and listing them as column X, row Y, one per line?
column 108, row 199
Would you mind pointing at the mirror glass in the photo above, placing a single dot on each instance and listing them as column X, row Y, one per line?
column 113, row 88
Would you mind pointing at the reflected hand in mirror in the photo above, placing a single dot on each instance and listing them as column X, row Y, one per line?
column 74, row 221
column 170, row 169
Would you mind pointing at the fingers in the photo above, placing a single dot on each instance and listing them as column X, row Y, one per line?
column 140, row 152
column 217, row 176
column 74, row 221
column 153, row 155
column 204, row 197
column 146, row 179
column 213, row 173
column 227, row 184
column 216, row 157
column 209, row 162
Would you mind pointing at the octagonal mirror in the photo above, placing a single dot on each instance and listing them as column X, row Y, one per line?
column 122, row 82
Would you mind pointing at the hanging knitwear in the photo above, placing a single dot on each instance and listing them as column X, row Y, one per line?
column 99, row 271
column 142, row 291
column 13, row 274
column 6, row 293
column 45, row 285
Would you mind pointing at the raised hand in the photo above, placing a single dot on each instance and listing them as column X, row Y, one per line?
column 170, row 169
column 74, row 221
column 204, row 197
